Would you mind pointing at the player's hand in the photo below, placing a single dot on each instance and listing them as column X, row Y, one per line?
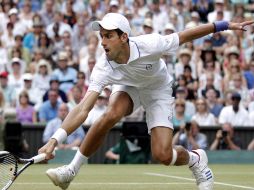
column 49, row 149
column 239, row 26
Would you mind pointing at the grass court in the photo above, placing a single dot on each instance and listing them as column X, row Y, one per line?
column 137, row 177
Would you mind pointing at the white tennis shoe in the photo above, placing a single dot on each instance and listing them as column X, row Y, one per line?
column 61, row 176
column 203, row 174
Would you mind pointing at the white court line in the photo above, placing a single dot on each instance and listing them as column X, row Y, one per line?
column 189, row 179
column 109, row 183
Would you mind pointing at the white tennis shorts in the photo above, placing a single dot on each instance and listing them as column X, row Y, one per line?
column 157, row 102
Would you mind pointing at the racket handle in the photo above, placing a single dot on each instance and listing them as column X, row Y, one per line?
column 41, row 157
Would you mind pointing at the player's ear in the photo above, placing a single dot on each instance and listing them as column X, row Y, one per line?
column 124, row 37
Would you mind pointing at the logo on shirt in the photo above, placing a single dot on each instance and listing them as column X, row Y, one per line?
column 149, row 67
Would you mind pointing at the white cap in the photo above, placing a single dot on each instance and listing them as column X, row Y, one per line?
column 148, row 22
column 27, row 76
column 170, row 26
column 13, row 11
column 219, row 1
column 114, row 3
column 112, row 21
column 194, row 14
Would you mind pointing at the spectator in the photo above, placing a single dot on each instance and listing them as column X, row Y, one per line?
column 208, row 81
column 234, row 114
column 251, row 145
column 45, row 44
column 219, row 8
column 16, row 68
column 47, row 12
column 147, row 26
column 81, row 77
column 69, row 16
column 190, row 137
column 185, row 59
column 127, row 152
column 25, row 112
column 212, row 102
column 160, row 18
column 225, row 139
column 249, row 75
column 41, row 78
column 251, row 118
column 48, row 109
column 202, row 116
column 8, row 37
column 8, row 90
column 33, row 93
column 192, row 84
column 25, row 53
column 58, row 27
column 182, row 93
column 4, row 56
column 76, row 97
column 54, row 85
column 74, row 140
column 19, row 27
column 239, row 87
column 179, row 117
column 26, row 14
column 232, row 70
column 66, row 75
column 98, row 109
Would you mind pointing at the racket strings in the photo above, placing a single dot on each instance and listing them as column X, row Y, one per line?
column 8, row 168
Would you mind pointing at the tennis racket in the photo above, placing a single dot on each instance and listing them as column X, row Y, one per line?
column 12, row 166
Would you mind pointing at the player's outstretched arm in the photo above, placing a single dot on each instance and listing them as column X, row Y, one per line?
column 73, row 120
column 205, row 29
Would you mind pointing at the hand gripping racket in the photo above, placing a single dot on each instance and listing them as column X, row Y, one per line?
column 12, row 166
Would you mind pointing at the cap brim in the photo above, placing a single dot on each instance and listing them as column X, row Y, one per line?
column 96, row 26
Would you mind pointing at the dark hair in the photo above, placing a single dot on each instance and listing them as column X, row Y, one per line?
column 120, row 32
column 187, row 67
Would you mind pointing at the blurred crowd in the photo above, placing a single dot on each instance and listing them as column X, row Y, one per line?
column 48, row 51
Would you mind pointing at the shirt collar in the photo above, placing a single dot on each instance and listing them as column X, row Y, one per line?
column 134, row 54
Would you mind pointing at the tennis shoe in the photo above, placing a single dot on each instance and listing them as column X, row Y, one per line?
column 61, row 176
column 203, row 174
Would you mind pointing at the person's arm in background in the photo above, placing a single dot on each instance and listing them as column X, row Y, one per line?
column 231, row 144
column 216, row 141
column 205, row 29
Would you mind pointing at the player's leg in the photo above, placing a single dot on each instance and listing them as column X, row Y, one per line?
column 159, row 110
column 120, row 104
column 162, row 150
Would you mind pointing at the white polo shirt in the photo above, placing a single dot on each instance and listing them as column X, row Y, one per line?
column 145, row 68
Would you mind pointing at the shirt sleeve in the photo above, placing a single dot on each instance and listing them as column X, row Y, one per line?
column 100, row 76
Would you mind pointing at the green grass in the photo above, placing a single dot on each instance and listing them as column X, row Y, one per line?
column 138, row 177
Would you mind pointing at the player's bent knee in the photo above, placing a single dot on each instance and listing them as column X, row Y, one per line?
column 112, row 116
column 166, row 157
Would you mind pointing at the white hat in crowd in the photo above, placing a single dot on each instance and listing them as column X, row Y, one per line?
column 27, row 76
column 170, row 26
column 148, row 22
column 13, row 11
column 112, row 21
column 114, row 3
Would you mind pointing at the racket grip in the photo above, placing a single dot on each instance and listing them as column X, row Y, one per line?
column 39, row 158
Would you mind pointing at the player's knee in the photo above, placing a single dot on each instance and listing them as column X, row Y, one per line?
column 166, row 157
column 112, row 116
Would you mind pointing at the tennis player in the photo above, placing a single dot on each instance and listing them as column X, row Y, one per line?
column 135, row 67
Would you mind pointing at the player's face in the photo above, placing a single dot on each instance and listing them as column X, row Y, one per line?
column 111, row 43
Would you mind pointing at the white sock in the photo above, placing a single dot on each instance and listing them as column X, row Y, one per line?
column 77, row 161
column 194, row 157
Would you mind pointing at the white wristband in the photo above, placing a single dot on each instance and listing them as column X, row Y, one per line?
column 60, row 135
